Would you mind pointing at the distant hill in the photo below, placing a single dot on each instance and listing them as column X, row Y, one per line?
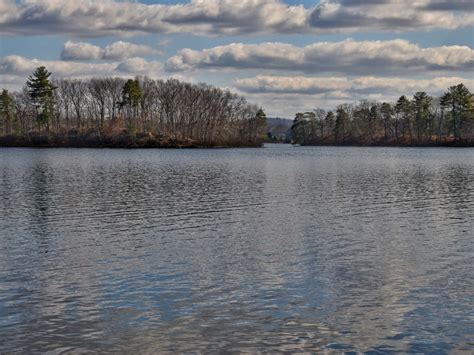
column 278, row 128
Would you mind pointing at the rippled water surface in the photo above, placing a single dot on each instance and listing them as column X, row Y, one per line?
column 281, row 248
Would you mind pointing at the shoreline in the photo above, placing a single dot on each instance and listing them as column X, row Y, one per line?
column 124, row 141
column 146, row 141
column 459, row 144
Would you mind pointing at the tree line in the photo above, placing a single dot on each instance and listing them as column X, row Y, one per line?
column 421, row 120
column 135, row 112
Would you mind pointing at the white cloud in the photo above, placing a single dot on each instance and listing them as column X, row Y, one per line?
column 115, row 51
column 394, row 57
column 108, row 17
column 15, row 69
column 292, row 84
column 391, row 15
column 7, row 10
column 140, row 66
column 450, row 5
column 228, row 17
column 279, row 95
column 351, row 87
column 121, row 50
column 81, row 51
column 285, row 95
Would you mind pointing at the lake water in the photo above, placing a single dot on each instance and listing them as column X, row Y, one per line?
column 281, row 248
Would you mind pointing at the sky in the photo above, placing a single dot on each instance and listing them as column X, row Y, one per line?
column 284, row 55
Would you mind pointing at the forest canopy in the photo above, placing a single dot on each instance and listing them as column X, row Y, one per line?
column 114, row 111
column 420, row 120
column 143, row 112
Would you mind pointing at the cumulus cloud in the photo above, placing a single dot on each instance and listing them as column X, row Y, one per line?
column 108, row 17
column 283, row 96
column 120, row 50
column 227, row 17
column 449, row 5
column 14, row 69
column 291, row 84
column 349, row 57
column 81, row 51
column 115, row 51
column 350, row 87
column 392, row 15
column 140, row 66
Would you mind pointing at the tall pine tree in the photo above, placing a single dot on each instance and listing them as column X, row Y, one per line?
column 41, row 91
column 7, row 111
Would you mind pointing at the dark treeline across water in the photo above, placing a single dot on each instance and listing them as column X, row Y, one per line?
column 141, row 112
column 115, row 112
column 420, row 121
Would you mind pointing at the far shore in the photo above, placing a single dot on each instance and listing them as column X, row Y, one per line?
column 147, row 141
column 461, row 143
column 123, row 140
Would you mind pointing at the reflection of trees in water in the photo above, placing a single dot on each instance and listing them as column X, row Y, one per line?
column 182, row 250
column 379, row 260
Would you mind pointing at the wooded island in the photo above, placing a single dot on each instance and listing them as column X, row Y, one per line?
column 147, row 113
column 114, row 112
column 420, row 121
